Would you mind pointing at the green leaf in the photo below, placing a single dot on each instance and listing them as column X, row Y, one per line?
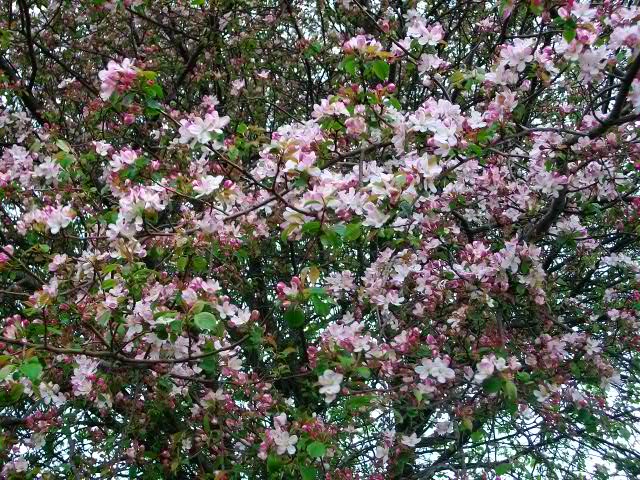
column 503, row 468
column 126, row 100
column 583, row 415
column 62, row 145
column 109, row 267
column 38, row 329
column 164, row 318
column 340, row 229
column 153, row 104
column 200, row 264
column 321, row 307
column 198, row 306
column 11, row 396
column 457, row 77
column 381, row 69
column 209, row 364
column 308, row 473
column 364, row 372
column 176, row 326
column 345, row 360
column 109, row 284
column 103, row 318
column 354, row 403
column 486, row 134
column 255, row 335
column 5, row 39
column 510, row 390
column 311, row 227
column 233, row 153
column 182, row 263
column 316, row 47
column 161, row 332
column 353, row 232
column 395, row 103
column 570, row 30
column 492, row 384
column 205, row 321
column 284, row 236
column 624, row 433
column 6, row 371
column 273, row 463
column 294, row 317
column 474, row 150
column 316, row 449
column 349, row 65
column 331, row 238
column 31, row 368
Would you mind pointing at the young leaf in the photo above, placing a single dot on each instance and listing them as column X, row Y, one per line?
column 353, row 232
column 294, row 317
column 316, row 449
column 510, row 390
column 308, row 473
column 349, row 65
column 205, row 321
column 381, row 69
column 492, row 384
column 31, row 369
column 311, row 227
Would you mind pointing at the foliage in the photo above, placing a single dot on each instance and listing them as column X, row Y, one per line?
column 316, row 239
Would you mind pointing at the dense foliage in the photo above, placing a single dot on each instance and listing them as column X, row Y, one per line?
column 319, row 240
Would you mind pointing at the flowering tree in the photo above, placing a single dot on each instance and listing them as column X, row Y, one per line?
column 339, row 240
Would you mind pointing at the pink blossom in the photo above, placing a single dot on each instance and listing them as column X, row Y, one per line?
column 410, row 440
column 207, row 184
column 117, row 76
column 436, row 368
column 330, row 384
column 355, row 125
column 202, row 130
column 59, row 218
column 237, row 86
column 84, row 375
column 284, row 441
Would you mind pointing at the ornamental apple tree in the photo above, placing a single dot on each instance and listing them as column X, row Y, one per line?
column 321, row 240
